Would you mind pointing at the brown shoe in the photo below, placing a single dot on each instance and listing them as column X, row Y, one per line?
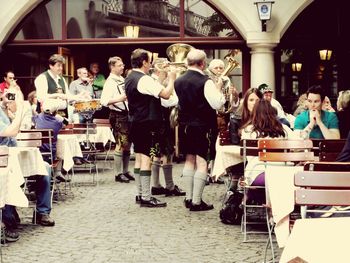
column 45, row 220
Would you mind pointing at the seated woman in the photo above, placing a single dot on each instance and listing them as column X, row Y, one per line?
column 343, row 113
column 319, row 124
column 264, row 124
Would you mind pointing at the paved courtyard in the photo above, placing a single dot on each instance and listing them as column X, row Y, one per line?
column 103, row 224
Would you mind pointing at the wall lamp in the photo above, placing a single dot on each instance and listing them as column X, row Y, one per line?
column 131, row 31
column 296, row 67
column 264, row 11
column 325, row 54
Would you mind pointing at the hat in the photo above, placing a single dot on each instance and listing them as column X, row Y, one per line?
column 264, row 88
column 50, row 105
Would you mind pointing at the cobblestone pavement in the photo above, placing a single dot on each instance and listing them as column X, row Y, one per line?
column 103, row 224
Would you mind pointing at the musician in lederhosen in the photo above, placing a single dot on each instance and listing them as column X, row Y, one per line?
column 166, row 144
column 145, row 98
column 199, row 97
column 113, row 96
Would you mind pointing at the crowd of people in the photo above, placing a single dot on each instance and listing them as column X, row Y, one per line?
column 139, row 107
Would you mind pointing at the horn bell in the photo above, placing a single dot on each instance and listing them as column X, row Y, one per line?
column 177, row 53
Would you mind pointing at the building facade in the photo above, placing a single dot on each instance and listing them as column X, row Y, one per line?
column 286, row 56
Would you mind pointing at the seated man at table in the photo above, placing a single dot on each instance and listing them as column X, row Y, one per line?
column 48, row 119
column 316, row 123
column 12, row 109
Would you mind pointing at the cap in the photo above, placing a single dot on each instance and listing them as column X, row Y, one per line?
column 264, row 88
column 50, row 105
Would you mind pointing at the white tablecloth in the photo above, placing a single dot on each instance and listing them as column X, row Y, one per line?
column 279, row 182
column 68, row 147
column 23, row 162
column 103, row 134
column 319, row 240
column 226, row 156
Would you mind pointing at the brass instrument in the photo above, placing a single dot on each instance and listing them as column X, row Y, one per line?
column 231, row 65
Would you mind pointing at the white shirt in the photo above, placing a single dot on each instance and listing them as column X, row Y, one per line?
column 110, row 91
column 42, row 88
column 214, row 96
column 149, row 86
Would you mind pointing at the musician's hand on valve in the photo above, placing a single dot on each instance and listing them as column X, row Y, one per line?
column 219, row 83
column 172, row 73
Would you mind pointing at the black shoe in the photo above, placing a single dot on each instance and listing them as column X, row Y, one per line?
column 121, row 178
column 44, row 220
column 158, row 190
column 78, row 161
column 138, row 199
column 129, row 176
column 220, row 180
column 62, row 178
column 11, row 236
column 201, row 207
column 188, row 203
column 153, row 202
column 176, row 192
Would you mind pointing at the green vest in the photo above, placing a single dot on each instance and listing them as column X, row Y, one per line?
column 52, row 88
column 52, row 85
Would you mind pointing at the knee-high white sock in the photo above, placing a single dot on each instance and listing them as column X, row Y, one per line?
column 145, row 178
column 137, row 181
column 125, row 160
column 168, row 176
column 155, row 173
column 188, row 182
column 118, row 157
column 199, row 180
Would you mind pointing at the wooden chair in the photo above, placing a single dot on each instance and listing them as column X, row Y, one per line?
column 102, row 122
column 29, row 139
column 330, row 149
column 285, row 151
column 48, row 138
column 327, row 188
column 327, row 166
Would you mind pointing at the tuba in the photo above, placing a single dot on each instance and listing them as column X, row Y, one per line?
column 177, row 54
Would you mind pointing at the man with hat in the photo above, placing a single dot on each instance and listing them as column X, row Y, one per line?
column 267, row 95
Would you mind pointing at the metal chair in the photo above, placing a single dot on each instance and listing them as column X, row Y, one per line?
column 89, row 150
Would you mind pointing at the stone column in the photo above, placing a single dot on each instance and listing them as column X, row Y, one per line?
column 262, row 64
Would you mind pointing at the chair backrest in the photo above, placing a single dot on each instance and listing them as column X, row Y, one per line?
column 322, row 188
column 29, row 139
column 249, row 147
column 327, row 166
column 4, row 154
column 102, row 122
column 47, row 137
column 285, row 150
column 330, row 149
column 81, row 126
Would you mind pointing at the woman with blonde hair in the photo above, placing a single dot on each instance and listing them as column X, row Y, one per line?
column 343, row 111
